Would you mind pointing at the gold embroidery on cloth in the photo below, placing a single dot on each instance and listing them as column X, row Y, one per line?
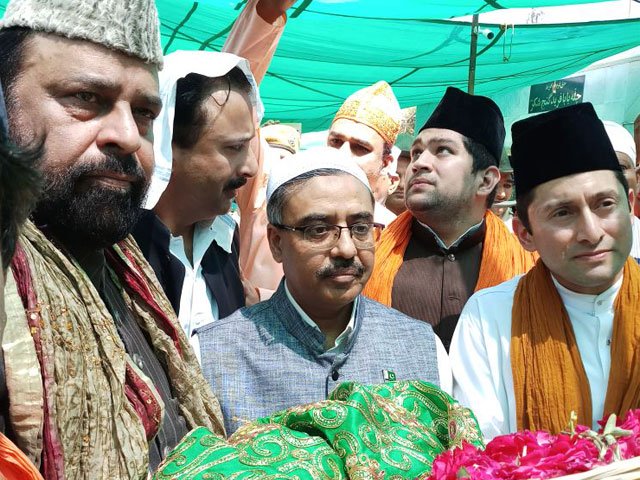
column 376, row 107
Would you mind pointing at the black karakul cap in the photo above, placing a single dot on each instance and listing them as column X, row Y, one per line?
column 559, row 143
column 474, row 116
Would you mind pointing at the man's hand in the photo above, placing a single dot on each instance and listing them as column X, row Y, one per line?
column 251, row 293
column 271, row 10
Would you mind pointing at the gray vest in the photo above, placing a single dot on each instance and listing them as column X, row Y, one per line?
column 265, row 358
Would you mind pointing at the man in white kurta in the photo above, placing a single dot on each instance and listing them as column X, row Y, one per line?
column 480, row 351
column 574, row 209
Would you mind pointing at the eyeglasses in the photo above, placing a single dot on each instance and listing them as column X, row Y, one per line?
column 324, row 236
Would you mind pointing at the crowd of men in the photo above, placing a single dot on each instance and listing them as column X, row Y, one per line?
column 169, row 264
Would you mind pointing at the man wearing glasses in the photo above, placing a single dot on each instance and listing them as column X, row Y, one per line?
column 317, row 330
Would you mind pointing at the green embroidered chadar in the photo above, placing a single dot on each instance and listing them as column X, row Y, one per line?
column 391, row 431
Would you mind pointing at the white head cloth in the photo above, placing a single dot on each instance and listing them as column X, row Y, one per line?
column 309, row 160
column 392, row 168
column 311, row 140
column 178, row 65
column 621, row 139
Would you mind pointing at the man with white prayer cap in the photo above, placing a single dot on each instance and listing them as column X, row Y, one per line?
column 102, row 381
column 625, row 148
column 317, row 330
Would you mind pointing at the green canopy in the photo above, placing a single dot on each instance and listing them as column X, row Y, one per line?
column 174, row 11
column 330, row 49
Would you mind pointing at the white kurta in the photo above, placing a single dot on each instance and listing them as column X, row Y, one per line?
column 480, row 351
column 383, row 215
column 635, row 228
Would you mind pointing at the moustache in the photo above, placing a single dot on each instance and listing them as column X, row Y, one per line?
column 123, row 164
column 341, row 267
column 419, row 176
column 235, row 183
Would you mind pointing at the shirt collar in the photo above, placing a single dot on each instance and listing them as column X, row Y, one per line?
column 382, row 214
column 585, row 302
column 635, row 223
column 223, row 227
column 220, row 231
column 340, row 341
column 469, row 234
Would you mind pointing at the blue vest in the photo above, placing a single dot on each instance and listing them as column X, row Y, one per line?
column 265, row 358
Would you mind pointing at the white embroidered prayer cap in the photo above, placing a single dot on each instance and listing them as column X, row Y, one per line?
column 621, row 139
column 307, row 161
column 129, row 26
column 178, row 65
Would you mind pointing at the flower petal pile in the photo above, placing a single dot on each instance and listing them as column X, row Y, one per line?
column 541, row 455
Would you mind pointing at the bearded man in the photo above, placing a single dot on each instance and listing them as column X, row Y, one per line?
column 102, row 382
column 448, row 244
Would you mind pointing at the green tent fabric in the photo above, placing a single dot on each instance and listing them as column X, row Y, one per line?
column 331, row 49
column 416, row 8
column 309, row 80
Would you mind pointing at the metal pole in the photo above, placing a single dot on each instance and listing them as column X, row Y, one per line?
column 472, row 54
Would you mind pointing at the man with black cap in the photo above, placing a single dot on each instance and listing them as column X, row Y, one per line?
column 448, row 244
column 102, row 382
column 530, row 351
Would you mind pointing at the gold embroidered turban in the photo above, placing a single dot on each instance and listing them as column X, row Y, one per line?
column 283, row 136
column 407, row 129
column 376, row 107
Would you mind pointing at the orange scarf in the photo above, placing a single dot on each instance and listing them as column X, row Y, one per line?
column 502, row 256
column 14, row 464
column 549, row 379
